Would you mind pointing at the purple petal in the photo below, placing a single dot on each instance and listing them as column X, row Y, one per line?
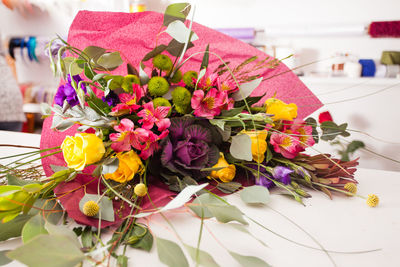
column 198, row 132
column 178, row 126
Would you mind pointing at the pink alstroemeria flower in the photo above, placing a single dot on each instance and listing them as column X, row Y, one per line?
column 157, row 116
column 150, row 145
column 304, row 133
column 209, row 105
column 229, row 86
column 285, row 144
column 127, row 136
column 207, row 81
column 129, row 102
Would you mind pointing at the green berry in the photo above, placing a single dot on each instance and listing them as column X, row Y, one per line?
column 158, row 86
column 181, row 96
column 188, row 78
column 162, row 62
column 128, row 81
column 177, row 77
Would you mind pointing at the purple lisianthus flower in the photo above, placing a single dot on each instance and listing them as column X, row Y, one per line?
column 189, row 148
column 111, row 99
column 67, row 92
column 264, row 181
column 282, row 174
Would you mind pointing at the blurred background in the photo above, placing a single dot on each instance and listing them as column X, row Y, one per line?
column 346, row 52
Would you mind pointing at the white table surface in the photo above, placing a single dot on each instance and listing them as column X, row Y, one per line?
column 343, row 224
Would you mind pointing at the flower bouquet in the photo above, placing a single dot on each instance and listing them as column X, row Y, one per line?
column 181, row 128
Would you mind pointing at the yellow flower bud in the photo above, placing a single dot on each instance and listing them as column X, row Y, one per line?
column 351, row 187
column 258, row 144
column 280, row 109
column 129, row 165
column 140, row 190
column 372, row 200
column 226, row 174
column 81, row 150
column 91, row 208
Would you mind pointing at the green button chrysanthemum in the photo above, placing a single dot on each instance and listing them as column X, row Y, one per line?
column 162, row 62
column 181, row 96
column 188, row 78
column 158, row 86
column 177, row 77
column 128, row 81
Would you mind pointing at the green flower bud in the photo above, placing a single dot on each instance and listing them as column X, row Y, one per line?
column 128, row 81
column 183, row 109
column 158, row 86
column 188, row 78
column 162, row 62
column 162, row 102
column 116, row 81
column 181, row 96
column 177, row 77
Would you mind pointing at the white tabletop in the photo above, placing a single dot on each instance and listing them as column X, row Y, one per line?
column 342, row 224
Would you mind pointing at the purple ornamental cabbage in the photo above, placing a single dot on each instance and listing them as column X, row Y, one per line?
column 67, row 92
column 189, row 148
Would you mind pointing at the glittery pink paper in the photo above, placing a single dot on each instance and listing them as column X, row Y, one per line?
column 134, row 36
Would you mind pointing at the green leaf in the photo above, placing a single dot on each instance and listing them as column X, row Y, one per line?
column 229, row 188
column 110, row 61
column 170, row 253
column 93, row 52
column 247, row 261
column 219, row 123
column 88, row 72
column 106, row 206
column 200, row 203
column 3, row 258
column 122, row 261
column 87, row 237
column 132, row 70
column 204, row 259
column 178, row 30
column 33, row 228
column 241, row 147
column 72, row 66
column 99, row 76
column 232, row 112
column 14, row 180
column 62, row 230
column 156, row 51
column 255, row 195
column 177, row 11
column 143, row 238
column 206, row 56
column 13, row 228
column 354, row 145
column 313, row 123
column 48, row 250
column 226, row 213
column 245, row 89
column 111, row 167
column 175, row 48
column 331, row 130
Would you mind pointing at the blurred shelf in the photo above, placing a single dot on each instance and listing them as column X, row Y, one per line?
column 347, row 80
column 31, row 108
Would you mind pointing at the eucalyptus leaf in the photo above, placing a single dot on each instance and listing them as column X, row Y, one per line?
column 156, row 51
column 170, row 253
column 48, row 250
column 13, row 228
column 178, row 11
column 245, row 89
column 255, row 195
column 241, row 147
column 99, row 76
column 72, row 66
column 110, row 61
column 219, row 123
column 122, row 261
column 204, row 258
column 229, row 188
column 33, row 228
column 87, row 237
column 3, row 258
column 62, row 230
column 106, row 206
column 247, row 261
column 178, row 30
column 227, row 213
column 92, row 52
column 175, row 48
column 143, row 241
column 199, row 205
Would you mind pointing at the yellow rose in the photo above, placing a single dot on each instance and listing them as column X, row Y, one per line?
column 81, row 150
column 129, row 165
column 226, row 174
column 258, row 144
column 280, row 109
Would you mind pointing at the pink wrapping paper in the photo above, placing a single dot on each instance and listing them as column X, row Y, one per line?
column 134, row 36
